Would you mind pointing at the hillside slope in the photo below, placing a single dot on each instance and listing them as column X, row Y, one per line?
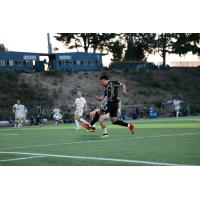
column 50, row 89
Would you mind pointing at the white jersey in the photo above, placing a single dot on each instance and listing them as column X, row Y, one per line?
column 19, row 110
column 56, row 111
column 176, row 103
column 80, row 102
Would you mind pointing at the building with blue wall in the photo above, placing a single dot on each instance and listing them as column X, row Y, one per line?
column 18, row 61
column 65, row 62
column 77, row 61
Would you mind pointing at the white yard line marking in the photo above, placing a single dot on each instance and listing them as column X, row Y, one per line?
column 55, row 144
column 10, row 134
column 24, row 158
column 94, row 158
column 171, row 135
column 93, row 141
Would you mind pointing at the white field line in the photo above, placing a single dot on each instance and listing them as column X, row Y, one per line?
column 10, row 134
column 55, row 144
column 93, row 158
column 94, row 141
column 167, row 120
column 24, row 158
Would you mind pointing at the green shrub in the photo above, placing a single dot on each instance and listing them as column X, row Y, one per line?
column 154, row 83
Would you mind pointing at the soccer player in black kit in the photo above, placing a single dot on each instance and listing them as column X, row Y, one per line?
column 109, row 104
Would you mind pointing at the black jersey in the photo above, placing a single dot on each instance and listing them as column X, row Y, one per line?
column 39, row 110
column 111, row 91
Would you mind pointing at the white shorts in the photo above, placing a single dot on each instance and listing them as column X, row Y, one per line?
column 79, row 112
column 19, row 117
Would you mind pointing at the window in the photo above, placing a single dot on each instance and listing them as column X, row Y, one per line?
column 61, row 62
column 74, row 62
column 11, row 63
column 81, row 62
column 27, row 62
column 18, row 62
column 78, row 62
column 89, row 62
column 67, row 62
column 2, row 63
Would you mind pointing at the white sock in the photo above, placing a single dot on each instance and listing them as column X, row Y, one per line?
column 77, row 123
column 82, row 120
column 128, row 125
column 105, row 131
column 94, row 125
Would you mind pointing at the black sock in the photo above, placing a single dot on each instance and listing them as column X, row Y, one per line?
column 121, row 123
column 95, row 119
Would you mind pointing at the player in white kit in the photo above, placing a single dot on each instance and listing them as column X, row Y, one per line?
column 80, row 105
column 20, row 112
column 57, row 115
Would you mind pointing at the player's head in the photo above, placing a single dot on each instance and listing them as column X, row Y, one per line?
column 104, row 79
column 18, row 102
column 79, row 94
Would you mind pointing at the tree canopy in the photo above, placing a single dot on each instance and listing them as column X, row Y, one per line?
column 133, row 46
column 3, row 48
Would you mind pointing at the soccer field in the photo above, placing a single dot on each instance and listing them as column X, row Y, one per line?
column 161, row 142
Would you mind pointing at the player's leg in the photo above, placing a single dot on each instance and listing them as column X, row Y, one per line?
column 113, row 109
column 76, row 119
column 20, row 121
column 102, row 121
column 92, row 114
column 95, row 119
column 16, row 121
column 83, row 121
column 80, row 119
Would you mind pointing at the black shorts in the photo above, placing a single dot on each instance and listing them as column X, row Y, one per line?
column 111, row 107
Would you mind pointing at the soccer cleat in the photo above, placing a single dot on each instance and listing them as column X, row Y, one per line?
column 91, row 129
column 104, row 136
column 86, row 126
column 132, row 129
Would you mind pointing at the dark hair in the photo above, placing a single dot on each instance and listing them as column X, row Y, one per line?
column 104, row 77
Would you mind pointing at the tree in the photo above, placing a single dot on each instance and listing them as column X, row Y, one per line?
column 178, row 43
column 3, row 48
column 95, row 41
column 187, row 42
column 116, row 48
column 139, row 45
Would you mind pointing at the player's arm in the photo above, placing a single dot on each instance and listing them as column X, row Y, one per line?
column 14, row 109
column 119, row 107
column 85, row 106
column 99, row 98
column 123, row 86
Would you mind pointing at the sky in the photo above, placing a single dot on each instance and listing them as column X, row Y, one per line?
column 37, row 42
